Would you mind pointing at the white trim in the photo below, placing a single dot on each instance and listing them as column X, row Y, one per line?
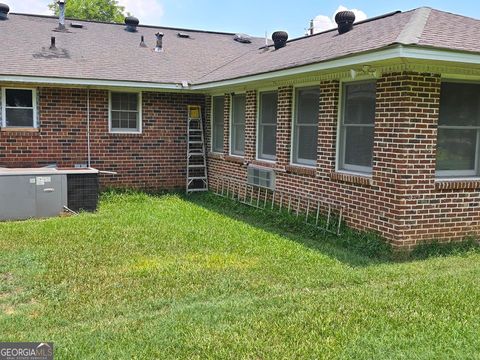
column 445, row 174
column 3, row 106
column 393, row 52
column 355, row 173
column 456, row 179
column 273, row 159
column 230, row 133
column 139, row 110
column 306, row 162
column 212, row 150
column 87, row 82
column 340, row 165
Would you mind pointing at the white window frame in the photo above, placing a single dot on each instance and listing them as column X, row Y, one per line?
column 304, row 162
column 459, row 174
column 340, row 165
column 259, row 156
column 139, row 111
column 230, row 145
column 212, row 125
column 3, row 105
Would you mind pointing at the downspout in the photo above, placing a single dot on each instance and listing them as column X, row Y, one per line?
column 89, row 155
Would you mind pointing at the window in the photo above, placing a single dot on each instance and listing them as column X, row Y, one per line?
column 238, row 125
column 459, row 130
column 125, row 112
column 218, row 104
column 19, row 108
column 267, row 126
column 305, row 129
column 357, row 127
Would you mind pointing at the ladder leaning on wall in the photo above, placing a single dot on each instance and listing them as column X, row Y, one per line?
column 197, row 177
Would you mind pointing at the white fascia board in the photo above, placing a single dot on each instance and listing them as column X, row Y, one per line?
column 396, row 52
column 417, row 53
column 88, row 82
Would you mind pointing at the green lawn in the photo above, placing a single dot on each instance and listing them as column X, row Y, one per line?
column 162, row 277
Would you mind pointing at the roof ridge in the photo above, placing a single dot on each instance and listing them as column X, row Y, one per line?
column 413, row 30
column 52, row 17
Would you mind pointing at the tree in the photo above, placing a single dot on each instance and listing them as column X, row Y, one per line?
column 100, row 10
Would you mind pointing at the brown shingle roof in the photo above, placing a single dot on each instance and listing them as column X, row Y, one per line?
column 107, row 52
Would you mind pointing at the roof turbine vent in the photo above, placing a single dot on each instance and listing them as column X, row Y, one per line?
column 345, row 20
column 279, row 39
column 4, row 10
column 131, row 22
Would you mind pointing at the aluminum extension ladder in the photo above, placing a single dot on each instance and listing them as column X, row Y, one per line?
column 197, row 177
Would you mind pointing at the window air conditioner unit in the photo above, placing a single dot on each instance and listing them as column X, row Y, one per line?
column 261, row 177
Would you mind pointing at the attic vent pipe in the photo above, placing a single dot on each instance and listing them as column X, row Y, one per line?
column 61, row 14
column 159, row 47
column 345, row 20
column 131, row 22
column 4, row 10
column 52, row 43
column 279, row 39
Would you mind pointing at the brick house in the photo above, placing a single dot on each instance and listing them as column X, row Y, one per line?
column 382, row 118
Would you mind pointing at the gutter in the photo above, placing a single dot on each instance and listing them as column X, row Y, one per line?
column 88, row 82
column 396, row 51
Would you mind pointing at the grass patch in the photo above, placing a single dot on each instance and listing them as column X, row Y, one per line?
column 192, row 278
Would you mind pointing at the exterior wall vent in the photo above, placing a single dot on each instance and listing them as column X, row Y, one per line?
column 345, row 20
column 261, row 177
column 279, row 39
column 4, row 10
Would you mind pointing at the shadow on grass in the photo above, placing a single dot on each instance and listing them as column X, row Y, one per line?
column 355, row 248
column 352, row 247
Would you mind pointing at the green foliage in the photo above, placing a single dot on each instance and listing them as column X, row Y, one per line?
column 171, row 277
column 99, row 10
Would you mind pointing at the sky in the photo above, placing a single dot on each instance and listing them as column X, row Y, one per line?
column 257, row 17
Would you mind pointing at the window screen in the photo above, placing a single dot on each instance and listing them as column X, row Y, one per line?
column 305, row 131
column 357, row 127
column 458, row 130
column 267, row 126
column 19, row 108
column 238, row 125
column 125, row 115
column 218, row 103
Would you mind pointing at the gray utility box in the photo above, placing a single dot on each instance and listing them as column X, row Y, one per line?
column 31, row 193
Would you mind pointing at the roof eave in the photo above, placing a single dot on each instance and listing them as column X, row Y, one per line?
column 390, row 52
column 26, row 79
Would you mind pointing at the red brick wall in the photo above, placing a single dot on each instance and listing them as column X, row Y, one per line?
column 401, row 200
column 155, row 159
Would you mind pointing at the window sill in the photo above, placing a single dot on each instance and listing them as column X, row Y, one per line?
column 214, row 155
column 349, row 178
column 20, row 129
column 125, row 132
column 262, row 163
column 301, row 170
column 235, row 159
column 457, row 184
